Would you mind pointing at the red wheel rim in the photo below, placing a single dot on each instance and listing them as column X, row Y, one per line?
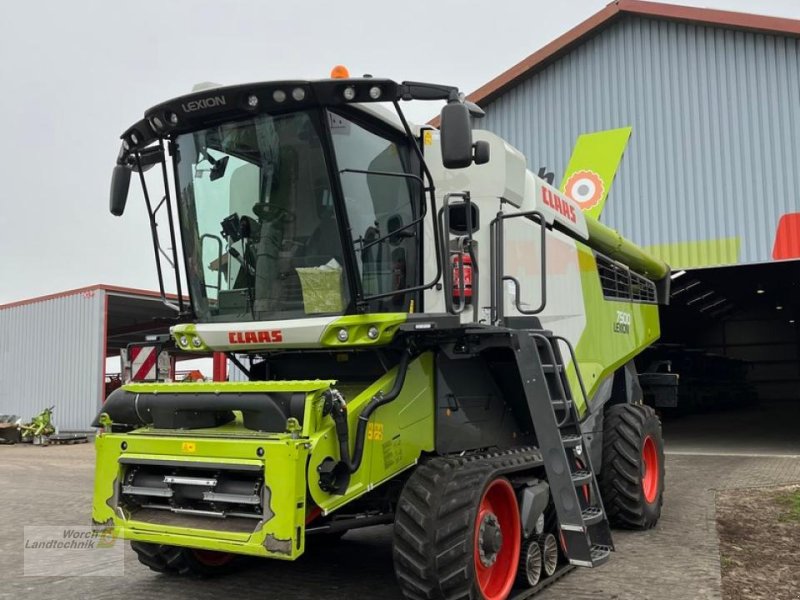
column 495, row 580
column 650, row 470
column 211, row 558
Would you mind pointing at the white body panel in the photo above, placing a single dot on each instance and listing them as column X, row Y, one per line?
column 505, row 184
column 294, row 333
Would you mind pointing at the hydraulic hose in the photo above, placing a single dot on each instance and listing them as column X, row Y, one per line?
column 339, row 415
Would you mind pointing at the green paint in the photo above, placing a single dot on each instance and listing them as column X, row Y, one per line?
column 699, row 253
column 188, row 331
column 609, row 242
column 600, row 350
column 399, row 432
column 596, row 153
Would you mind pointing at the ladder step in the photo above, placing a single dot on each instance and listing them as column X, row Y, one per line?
column 581, row 477
column 559, row 404
column 572, row 440
column 592, row 515
column 600, row 554
column 549, row 368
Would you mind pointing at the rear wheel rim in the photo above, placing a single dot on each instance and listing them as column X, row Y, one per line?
column 650, row 470
column 495, row 571
column 211, row 558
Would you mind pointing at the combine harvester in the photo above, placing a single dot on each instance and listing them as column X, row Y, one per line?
column 438, row 340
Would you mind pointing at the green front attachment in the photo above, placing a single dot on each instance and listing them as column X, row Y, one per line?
column 232, row 489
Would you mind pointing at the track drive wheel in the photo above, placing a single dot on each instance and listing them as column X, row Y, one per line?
column 184, row 561
column 632, row 478
column 457, row 533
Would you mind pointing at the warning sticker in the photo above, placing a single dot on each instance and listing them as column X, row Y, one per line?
column 392, row 453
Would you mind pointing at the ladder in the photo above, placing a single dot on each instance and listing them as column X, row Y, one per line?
column 583, row 523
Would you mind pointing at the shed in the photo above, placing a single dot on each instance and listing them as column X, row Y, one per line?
column 53, row 348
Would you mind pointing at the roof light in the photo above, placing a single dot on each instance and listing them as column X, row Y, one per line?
column 779, row 307
column 698, row 298
column 685, row 288
column 759, row 290
column 252, row 101
column 349, row 92
column 157, row 123
column 712, row 305
column 375, row 92
column 279, row 95
column 340, row 72
column 172, row 118
column 298, row 94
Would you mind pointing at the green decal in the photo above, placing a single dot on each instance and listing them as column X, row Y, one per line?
column 592, row 167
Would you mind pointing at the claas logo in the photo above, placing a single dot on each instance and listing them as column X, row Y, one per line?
column 586, row 188
column 270, row 336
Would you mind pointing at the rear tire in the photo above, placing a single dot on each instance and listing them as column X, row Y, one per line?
column 457, row 533
column 632, row 478
column 184, row 561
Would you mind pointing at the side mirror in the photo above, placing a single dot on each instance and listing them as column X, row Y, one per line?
column 120, row 183
column 456, row 136
column 458, row 151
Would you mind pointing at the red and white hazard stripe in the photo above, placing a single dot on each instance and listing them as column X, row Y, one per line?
column 143, row 363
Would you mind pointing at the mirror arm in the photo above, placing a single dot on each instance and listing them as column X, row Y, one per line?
column 154, row 232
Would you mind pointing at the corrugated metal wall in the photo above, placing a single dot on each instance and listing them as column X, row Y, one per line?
column 716, row 132
column 51, row 353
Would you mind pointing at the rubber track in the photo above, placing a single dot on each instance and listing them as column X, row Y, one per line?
column 560, row 572
column 621, row 483
column 434, row 522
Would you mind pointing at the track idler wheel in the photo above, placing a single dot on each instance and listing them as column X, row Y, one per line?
column 530, row 564
column 548, row 545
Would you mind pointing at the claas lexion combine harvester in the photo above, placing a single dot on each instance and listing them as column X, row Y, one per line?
column 438, row 340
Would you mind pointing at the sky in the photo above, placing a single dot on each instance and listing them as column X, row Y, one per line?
column 75, row 74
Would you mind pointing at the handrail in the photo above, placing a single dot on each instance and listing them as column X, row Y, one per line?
column 561, row 389
column 497, row 264
column 561, row 338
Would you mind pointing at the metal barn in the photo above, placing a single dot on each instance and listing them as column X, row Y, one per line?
column 709, row 179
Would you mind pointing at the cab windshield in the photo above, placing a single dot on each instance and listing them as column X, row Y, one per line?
column 260, row 231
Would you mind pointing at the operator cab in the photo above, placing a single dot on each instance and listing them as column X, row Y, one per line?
column 295, row 199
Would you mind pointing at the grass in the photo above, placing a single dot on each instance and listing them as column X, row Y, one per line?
column 790, row 502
